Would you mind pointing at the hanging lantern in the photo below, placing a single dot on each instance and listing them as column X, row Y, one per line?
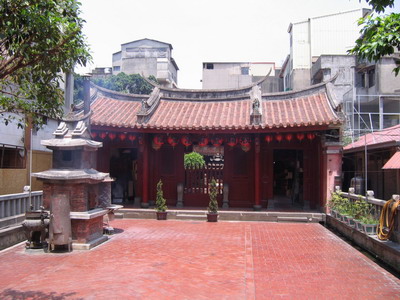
column 93, row 134
column 112, row 136
column 172, row 140
column 186, row 141
column 141, row 140
column 289, row 137
column 122, row 136
column 217, row 141
column 232, row 141
column 102, row 135
column 203, row 141
column 279, row 137
column 268, row 138
column 245, row 140
column 158, row 141
column 131, row 137
column 310, row 136
column 300, row 136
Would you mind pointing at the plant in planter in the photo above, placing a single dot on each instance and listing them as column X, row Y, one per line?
column 335, row 204
column 193, row 160
column 361, row 209
column 369, row 224
column 161, row 206
column 212, row 215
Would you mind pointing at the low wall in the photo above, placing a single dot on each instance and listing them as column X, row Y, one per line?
column 387, row 251
column 11, row 236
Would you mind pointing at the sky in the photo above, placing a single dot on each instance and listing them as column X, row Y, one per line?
column 202, row 30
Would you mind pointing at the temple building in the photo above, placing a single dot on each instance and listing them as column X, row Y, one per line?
column 264, row 150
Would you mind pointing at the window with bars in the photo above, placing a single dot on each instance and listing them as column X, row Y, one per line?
column 12, row 157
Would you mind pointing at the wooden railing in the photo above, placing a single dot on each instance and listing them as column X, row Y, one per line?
column 16, row 204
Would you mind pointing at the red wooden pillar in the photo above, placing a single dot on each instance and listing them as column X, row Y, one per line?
column 145, row 188
column 257, row 177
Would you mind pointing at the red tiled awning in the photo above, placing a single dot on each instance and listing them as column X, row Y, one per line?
column 393, row 162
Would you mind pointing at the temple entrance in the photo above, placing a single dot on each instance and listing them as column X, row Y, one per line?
column 123, row 168
column 197, row 181
column 288, row 178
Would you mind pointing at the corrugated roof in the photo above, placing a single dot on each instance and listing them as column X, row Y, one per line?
column 172, row 113
column 389, row 135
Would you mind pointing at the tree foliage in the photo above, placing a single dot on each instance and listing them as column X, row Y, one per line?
column 39, row 40
column 132, row 84
column 380, row 35
column 161, row 205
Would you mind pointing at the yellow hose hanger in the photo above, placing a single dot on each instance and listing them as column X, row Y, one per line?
column 387, row 218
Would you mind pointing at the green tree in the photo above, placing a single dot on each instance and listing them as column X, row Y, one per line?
column 39, row 40
column 161, row 205
column 213, row 204
column 131, row 84
column 380, row 35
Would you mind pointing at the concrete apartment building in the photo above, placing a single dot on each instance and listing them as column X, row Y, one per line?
column 332, row 34
column 147, row 57
column 231, row 75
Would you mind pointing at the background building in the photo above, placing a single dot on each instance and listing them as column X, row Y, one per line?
column 331, row 35
column 147, row 57
column 231, row 75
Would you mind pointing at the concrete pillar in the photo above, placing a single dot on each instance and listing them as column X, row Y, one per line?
column 332, row 156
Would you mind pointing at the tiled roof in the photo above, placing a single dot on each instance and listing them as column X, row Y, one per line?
column 387, row 136
column 393, row 162
column 231, row 112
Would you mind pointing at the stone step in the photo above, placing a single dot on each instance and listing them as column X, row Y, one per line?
column 293, row 219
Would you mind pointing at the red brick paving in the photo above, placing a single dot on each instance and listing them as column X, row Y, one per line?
column 151, row 259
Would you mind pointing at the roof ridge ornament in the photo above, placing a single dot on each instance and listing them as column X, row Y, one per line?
column 149, row 106
column 256, row 107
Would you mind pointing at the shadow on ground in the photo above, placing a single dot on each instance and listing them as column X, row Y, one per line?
column 11, row 294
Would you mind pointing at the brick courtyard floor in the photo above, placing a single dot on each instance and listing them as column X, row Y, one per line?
column 149, row 259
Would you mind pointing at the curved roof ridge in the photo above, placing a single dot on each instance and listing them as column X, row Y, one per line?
column 118, row 95
column 301, row 92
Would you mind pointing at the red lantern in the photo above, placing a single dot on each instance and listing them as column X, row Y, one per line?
column 186, row 141
column 158, row 140
column 112, row 135
column 203, row 141
column 173, row 141
column 216, row 141
column 122, row 136
column 279, row 137
column 268, row 138
column 103, row 135
column 232, row 141
column 310, row 136
column 300, row 136
column 244, row 140
column 131, row 137
column 289, row 137
column 93, row 134
column 141, row 140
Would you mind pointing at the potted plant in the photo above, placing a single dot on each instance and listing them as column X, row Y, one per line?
column 361, row 209
column 334, row 204
column 369, row 224
column 161, row 207
column 212, row 215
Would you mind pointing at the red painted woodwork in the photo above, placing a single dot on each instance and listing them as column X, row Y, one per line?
column 146, row 181
column 257, row 179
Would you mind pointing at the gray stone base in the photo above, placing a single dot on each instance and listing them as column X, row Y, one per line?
column 144, row 205
column 90, row 245
column 257, row 207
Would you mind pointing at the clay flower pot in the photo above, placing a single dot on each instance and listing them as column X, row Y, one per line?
column 161, row 215
column 211, row 217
